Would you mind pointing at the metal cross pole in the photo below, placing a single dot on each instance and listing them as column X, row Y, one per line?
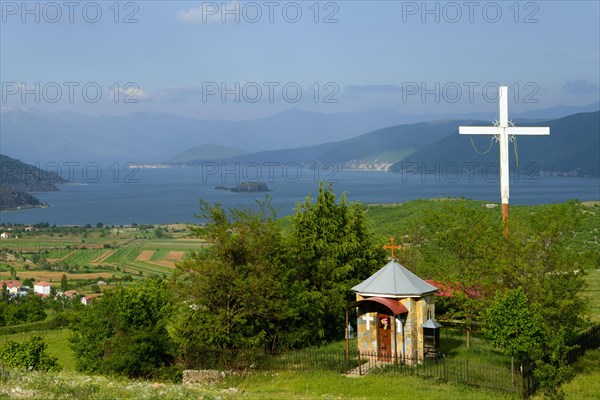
column 503, row 131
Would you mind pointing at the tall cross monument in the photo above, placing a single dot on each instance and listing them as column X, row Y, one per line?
column 503, row 131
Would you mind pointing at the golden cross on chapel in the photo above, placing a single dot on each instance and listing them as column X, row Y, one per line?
column 392, row 247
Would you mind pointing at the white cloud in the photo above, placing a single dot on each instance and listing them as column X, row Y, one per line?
column 133, row 92
column 211, row 13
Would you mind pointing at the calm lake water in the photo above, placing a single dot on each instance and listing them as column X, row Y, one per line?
column 117, row 196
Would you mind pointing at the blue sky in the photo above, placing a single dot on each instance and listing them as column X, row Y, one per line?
column 196, row 59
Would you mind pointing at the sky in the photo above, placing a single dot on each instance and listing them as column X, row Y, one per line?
column 244, row 60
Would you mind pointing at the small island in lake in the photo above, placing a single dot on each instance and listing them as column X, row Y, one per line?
column 246, row 187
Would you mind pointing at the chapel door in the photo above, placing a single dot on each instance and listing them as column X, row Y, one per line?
column 384, row 327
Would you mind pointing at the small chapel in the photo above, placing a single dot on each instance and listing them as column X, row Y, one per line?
column 396, row 315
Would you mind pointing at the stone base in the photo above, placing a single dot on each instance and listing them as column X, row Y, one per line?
column 202, row 377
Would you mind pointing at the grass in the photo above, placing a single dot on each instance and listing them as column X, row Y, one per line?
column 69, row 385
column 453, row 345
column 585, row 384
column 592, row 294
column 284, row 384
column 330, row 385
column 58, row 345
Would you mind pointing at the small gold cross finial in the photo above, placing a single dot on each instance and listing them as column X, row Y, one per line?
column 392, row 247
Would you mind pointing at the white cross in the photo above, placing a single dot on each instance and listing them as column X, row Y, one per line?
column 502, row 130
column 367, row 318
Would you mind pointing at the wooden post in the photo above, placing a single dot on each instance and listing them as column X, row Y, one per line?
column 359, row 363
column 522, row 383
column 347, row 344
column 395, row 341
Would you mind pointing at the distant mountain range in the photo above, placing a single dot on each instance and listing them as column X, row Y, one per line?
column 17, row 179
column 385, row 145
column 573, row 148
column 35, row 136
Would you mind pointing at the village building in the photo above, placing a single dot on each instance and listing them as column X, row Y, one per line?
column 87, row 300
column 12, row 286
column 396, row 315
column 42, row 287
column 70, row 294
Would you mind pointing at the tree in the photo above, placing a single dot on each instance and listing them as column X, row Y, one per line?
column 28, row 282
column 124, row 332
column 231, row 294
column 30, row 354
column 513, row 324
column 333, row 251
column 460, row 245
column 4, row 295
column 64, row 284
column 538, row 256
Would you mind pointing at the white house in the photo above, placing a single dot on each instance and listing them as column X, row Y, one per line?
column 4, row 235
column 42, row 287
column 12, row 286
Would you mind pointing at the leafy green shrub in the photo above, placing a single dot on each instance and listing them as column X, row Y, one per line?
column 30, row 354
column 172, row 373
column 124, row 333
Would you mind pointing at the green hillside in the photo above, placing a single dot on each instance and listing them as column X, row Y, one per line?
column 387, row 144
column 572, row 147
column 18, row 178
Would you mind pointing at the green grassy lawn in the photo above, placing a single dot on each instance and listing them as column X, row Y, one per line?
column 585, row 383
column 294, row 384
column 58, row 345
column 453, row 345
column 331, row 385
column 592, row 294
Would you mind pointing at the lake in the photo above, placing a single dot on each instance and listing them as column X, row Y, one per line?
column 167, row 195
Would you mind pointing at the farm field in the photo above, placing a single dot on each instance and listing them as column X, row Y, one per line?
column 85, row 255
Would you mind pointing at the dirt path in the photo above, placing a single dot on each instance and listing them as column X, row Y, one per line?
column 145, row 255
column 102, row 257
column 163, row 263
column 175, row 255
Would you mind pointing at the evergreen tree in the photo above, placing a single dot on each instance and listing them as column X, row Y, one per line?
column 334, row 250
column 64, row 284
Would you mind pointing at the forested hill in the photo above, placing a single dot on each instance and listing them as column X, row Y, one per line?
column 17, row 179
column 571, row 148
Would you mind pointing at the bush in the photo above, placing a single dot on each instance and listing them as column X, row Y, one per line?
column 172, row 373
column 30, row 354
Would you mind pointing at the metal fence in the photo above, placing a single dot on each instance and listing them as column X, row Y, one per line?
column 444, row 369
column 589, row 339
